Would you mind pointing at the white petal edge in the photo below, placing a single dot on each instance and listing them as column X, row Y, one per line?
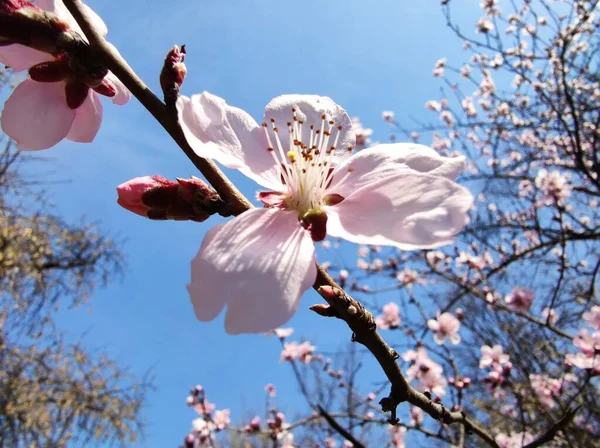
column 229, row 135
column 408, row 210
column 19, row 57
column 258, row 264
column 36, row 115
column 310, row 109
column 381, row 161
column 88, row 118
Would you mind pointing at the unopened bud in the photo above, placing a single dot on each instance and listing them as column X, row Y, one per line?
column 323, row 310
column 158, row 198
column 21, row 22
column 172, row 74
column 189, row 441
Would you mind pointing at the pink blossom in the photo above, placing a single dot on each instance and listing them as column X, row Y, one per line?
column 428, row 372
column 287, row 440
column 398, row 434
column 390, row 319
column 435, row 257
column 492, row 356
column 546, row 389
column 484, row 26
column 282, row 333
column 520, row 299
column 302, row 352
column 514, row 440
column 550, row 315
column 554, row 186
column 592, row 317
column 407, row 277
column 588, row 343
column 260, row 263
column 271, row 389
column 433, row 105
column 416, row 416
column 55, row 101
column 222, row 419
column 330, row 442
column 388, row 116
column 445, row 326
column 362, row 134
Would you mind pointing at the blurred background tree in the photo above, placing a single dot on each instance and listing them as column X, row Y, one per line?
column 52, row 392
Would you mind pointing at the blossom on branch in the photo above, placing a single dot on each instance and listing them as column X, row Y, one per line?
column 60, row 98
column 445, row 325
column 260, row 263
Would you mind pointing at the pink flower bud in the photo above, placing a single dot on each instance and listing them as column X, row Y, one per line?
column 158, row 198
column 131, row 193
column 173, row 73
column 22, row 22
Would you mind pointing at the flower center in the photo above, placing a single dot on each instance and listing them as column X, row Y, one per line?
column 305, row 161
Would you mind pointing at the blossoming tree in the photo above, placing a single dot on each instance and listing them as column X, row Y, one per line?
column 495, row 329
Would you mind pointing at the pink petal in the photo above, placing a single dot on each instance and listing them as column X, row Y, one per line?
column 229, row 135
column 19, row 57
column 433, row 325
column 409, row 211
column 259, row 264
column 375, row 163
column 58, row 8
column 123, row 94
column 455, row 338
column 36, row 115
column 310, row 108
column 88, row 118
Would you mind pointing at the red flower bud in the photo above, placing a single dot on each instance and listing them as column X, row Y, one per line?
column 172, row 74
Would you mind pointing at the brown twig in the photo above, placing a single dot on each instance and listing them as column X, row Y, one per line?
column 359, row 320
column 551, row 432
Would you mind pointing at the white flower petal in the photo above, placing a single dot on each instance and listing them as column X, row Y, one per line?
column 229, row 135
column 19, row 57
column 407, row 210
column 259, row 264
column 310, row 109
column 380, row 161
column 36, row 115
column 88, row 118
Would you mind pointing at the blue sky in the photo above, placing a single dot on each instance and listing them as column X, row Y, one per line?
column 367, row 56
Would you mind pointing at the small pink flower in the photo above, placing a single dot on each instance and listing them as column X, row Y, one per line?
column 554, row 185
column 55, row 101
column 445, row 326
column 398, row 434
column 388, row 116
column 550, row 315
column 408, row 277
column 593, row 317
column 271, row 390
column 260, row 263
column 222, row 419
column 390, row 319
column 416, row 416
column 282, row 333
column 363, row 135
column 484, row 26
column 546, row 389
column 302, row 352
column 520, row 299
column 491, row 356
column 514, row 440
